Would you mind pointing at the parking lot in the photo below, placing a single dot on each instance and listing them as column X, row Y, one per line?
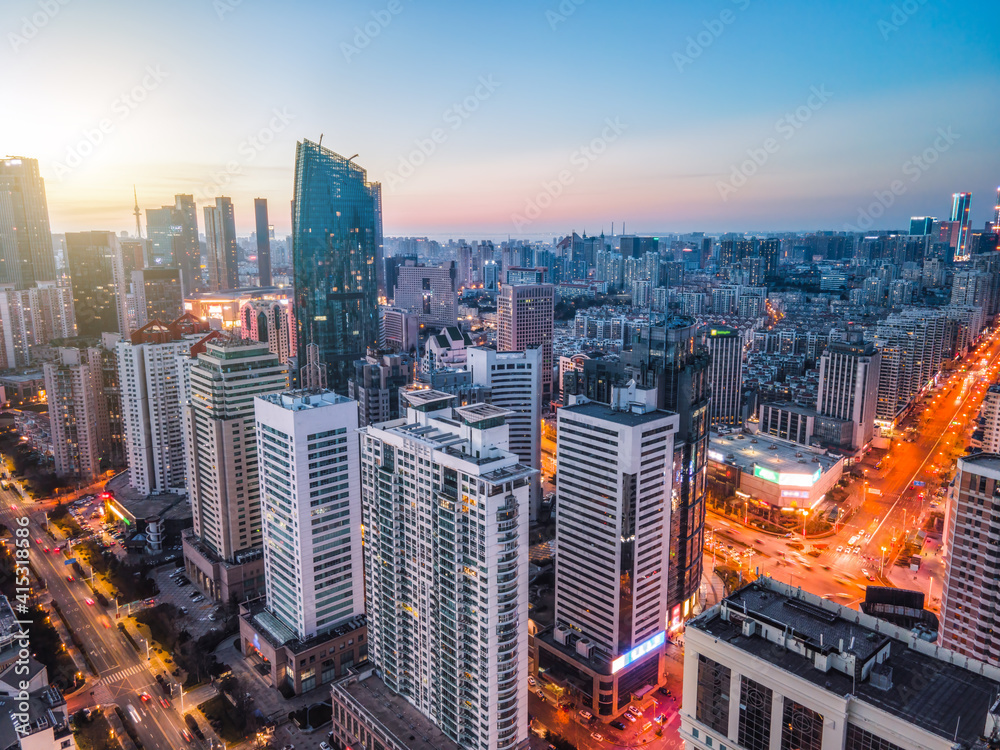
column 174, row 590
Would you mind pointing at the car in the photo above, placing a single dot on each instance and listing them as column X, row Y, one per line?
column 660, row 719
column 90, row 602
column 628, row 715
column 540, row 693
column 144, row 697
column 46, row 549
column 664, row 692
column 585, row 714
column 325, row 746
column 867, row 575
column 182, row 610
column 164, row 702
column 597, row 736
column 70, row 579
column 187, row 735
column 617, row 724
column 857, row 550
column 199, row 598
column 532, row 681
column 212, row 617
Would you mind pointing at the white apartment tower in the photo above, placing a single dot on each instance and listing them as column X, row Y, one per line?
column 446, row 567
column 970, row 620
column 307, row 444
column 515, row 381
column 615, row 466
column 150, row 373
column 725, row 374
column 989, row 414
column 78, row 412
column 849, row 372
column 221, row 444
column 524, row 321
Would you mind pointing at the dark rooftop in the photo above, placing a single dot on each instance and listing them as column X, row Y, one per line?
column 603, row 411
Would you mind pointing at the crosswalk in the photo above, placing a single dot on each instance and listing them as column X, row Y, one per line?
column 121, row 674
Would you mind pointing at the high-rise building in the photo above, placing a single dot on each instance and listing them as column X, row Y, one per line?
column 32, row 318
column 450, row 348
column 77, row 412
column 725, row 375
column 774, row 666
column 428, row 291
column 375, row 386
column 515, row 383
column 921, row 225
column 912, row 344
column 613, row 507
column 158, row 295
column 312, row 627
column 989, row 416
column 525, row 315
column 849, row 373
column 223, row 250
column 961, row 203
column 150, row 370
column 398, row 330
column 336, row 236
column 996, row 214
column 273, row 322
column 669, row 357
column 635, row 247
column 26, row 254
column 172, row 233
column 446, row 567
column 769, row 251
column 971, row 287
column 263, row 242
column 91, row 259
column 113, row 399
column 221, row 453
column 969, row 617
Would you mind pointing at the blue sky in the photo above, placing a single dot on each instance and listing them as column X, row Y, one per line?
column 493, row 119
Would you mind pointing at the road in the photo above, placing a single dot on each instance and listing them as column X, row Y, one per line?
column 943, row 419
column 123, row 674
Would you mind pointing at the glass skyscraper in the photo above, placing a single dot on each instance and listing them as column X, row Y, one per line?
column 336, row 236
column 960, row 205
column 26, row 253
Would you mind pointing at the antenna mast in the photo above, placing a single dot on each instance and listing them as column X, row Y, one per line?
column 137, row 213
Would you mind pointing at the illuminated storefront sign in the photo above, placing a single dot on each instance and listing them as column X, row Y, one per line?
column 789, row 480
column 795, row 493
column 716, row 456
column 650, row 644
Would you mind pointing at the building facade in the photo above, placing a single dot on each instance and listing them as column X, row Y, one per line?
column 26, row 255
column 725, row 375
column 223, row 250
column 78, row 413
column 158, row 295
column 849, row 373
column 91, row 258
column 272, row 322
column 524, row 321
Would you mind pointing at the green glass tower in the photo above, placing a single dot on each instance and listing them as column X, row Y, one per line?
column 336, row 238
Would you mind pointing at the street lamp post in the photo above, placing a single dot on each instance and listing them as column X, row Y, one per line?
column 881, row 570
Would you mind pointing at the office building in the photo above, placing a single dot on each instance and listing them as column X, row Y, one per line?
column 961, row 203
column 157, row 294
column 223, row 250
column 725, row 375
column 91, row 259
column 150, row 370
column 446, row 567
column 912, row 346
column 921, row 225
column 429, row 292
column 263, row 242
column 635, row 247
column 398, row 330
column 849, row 373
column 450, row 348
column 336, row 241
column 515, row 383
column 375, row 386
column 773, row 666
column 223, row 552
column 969, row 617
column 32, row 318
column 172, row 233
column 613, row 505
column 78, row 413
column 312, row 629
column 667, row 356
column 26, row 253
column 271, row 321
column 524, row 321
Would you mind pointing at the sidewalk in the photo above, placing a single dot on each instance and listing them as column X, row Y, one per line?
column 929, row 579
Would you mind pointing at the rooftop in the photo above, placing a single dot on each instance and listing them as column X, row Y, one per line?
column 767, row 452
column 301, row 400
column 394, row 713
column 941, row 692
column 603, row 411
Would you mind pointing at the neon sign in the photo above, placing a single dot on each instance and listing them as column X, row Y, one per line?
column 647, row 646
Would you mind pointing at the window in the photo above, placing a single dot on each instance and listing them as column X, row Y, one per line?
column 712, row 708
column 755, row 715
column 860, row 739
column 801, row 727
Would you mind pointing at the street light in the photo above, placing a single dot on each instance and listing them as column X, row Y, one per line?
column 881, row 570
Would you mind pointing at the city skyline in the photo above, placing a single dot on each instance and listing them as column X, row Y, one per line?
column 509, row 143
